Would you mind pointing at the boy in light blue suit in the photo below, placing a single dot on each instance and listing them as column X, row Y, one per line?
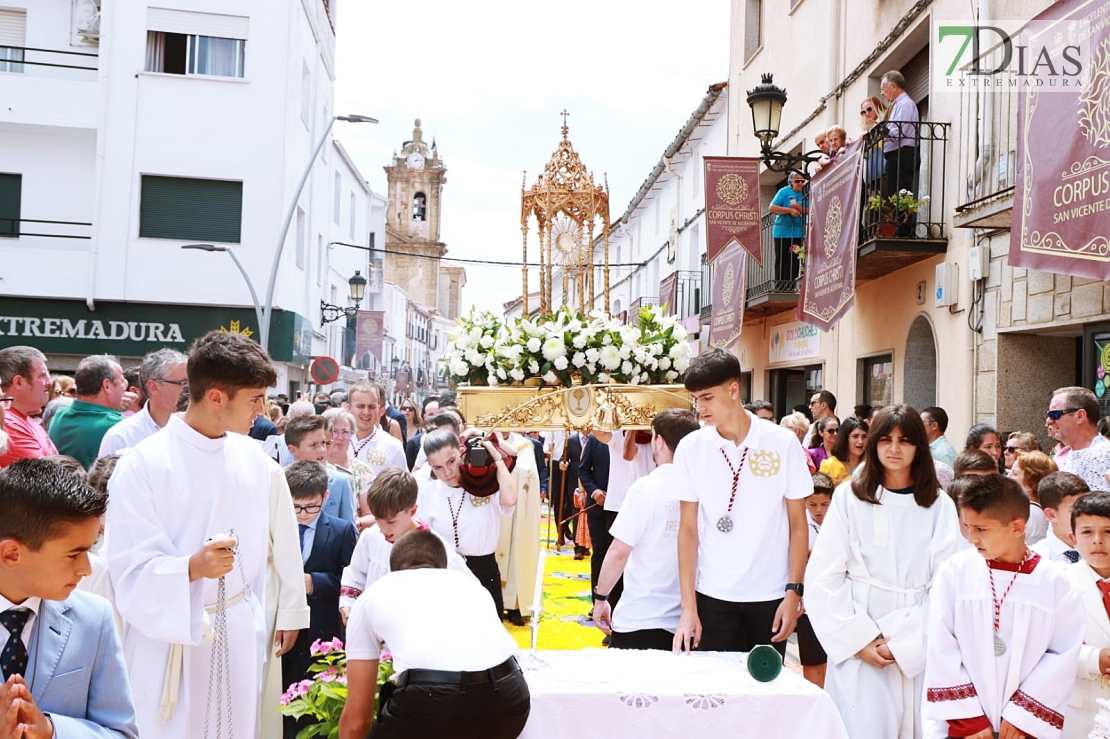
column 59, row 652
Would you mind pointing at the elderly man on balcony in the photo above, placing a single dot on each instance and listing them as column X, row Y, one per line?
column 900, row 143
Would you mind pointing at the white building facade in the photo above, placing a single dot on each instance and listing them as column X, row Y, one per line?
column 188, row 123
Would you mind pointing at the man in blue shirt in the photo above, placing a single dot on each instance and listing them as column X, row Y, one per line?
column 789, row 206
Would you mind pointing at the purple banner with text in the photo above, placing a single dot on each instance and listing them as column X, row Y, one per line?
column 829, row 275
column 729, row 295
column 1062, row 189
column 732, row 205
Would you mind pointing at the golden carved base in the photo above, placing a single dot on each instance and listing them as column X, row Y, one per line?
column 581, row 408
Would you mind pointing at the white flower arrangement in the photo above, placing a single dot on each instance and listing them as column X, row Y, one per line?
column 567, row 347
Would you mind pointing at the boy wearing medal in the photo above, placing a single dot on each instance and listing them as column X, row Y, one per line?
column 749, row 504
column 1004, row 633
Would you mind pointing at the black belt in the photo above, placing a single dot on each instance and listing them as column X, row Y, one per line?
column 447, row 677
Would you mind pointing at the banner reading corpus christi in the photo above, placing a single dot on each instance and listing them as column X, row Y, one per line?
column 829, row 279
column 732, row 205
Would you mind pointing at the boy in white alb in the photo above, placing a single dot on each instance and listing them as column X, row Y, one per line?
column 194, row 504
column 1004, row 633
column 810, row 652
column 392, row 501
column 1057, row 492
column 742, row 544
column 1091, row 579
column 645, row 536
column 371, row 443
column 450, row 683
column 468, row 514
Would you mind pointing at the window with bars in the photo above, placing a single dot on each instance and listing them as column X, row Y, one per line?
column 11, row 192
column 189, row 209
column 178, row 53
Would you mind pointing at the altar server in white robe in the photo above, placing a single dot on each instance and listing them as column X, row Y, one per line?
column 867, row 582
column 1005, row 627
column 1091, row 579
column 518, row 545
column 191, row 504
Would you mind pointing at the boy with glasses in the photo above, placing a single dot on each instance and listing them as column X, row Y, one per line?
column 326, row 547
column 307, row 441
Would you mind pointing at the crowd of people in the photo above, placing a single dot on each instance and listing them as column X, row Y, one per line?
column 196, row 538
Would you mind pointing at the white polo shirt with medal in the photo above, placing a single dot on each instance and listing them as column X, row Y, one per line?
column 741, row 491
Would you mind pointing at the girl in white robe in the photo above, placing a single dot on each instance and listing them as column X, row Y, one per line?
column 869, row 575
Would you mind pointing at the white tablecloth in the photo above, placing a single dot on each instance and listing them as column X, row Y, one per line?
column 615, row 693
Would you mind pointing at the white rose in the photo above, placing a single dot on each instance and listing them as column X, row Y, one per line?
column 592, row 355
column 681, row 364
column 561, row 363
column 459, row 368
column 517, row 374
column 603, row 377
column 534, row 367
column 626, row 367
column 578, row 359
column 671, row 376
column 487, row 341
column 534, row 344
column 664, row 363
column 579, row 341
column 501, row 373
column 473, row 356
column 554, row 348
column 550, row 377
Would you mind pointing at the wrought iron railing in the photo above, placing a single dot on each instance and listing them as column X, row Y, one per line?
column 909, row 157
column 14, row 58
column 987, row 157
column 781, row 268
column 707, row 270
column 688, row 297
column 13, row 228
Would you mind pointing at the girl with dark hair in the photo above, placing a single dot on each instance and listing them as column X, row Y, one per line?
column 984, row 438
column 881, row 543
column 847, row 453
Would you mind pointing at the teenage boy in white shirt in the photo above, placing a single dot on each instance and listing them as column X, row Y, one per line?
column 371, row 443
column 750, row 472
column 643, row 548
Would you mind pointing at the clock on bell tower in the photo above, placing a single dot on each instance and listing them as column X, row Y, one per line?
column 413, row 247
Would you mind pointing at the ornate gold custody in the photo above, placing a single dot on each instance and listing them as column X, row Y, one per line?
column 581, row 408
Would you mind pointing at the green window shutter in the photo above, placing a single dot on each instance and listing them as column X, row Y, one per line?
column 11, row 187
column 187, row 209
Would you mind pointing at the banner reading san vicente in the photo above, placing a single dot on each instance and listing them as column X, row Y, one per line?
column 829, row 280
column 1062, row 192
column 732, row 205
column 730, row 293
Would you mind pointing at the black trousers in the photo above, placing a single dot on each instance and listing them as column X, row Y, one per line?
column 484, row 567
column 787, row 265
column 643, row 639
column 599, row 540
column 497, row 710
column 901, row 174
column 736, row 627
column 615, row 593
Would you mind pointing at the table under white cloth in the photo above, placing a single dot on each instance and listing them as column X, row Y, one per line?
column 654, row 694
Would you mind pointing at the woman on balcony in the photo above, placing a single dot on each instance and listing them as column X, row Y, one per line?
column 789, row 206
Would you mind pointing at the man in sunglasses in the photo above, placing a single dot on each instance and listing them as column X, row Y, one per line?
column 1072, row 417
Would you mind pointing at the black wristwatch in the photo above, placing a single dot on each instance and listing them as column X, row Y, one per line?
column 797, row 587
column 599, row 598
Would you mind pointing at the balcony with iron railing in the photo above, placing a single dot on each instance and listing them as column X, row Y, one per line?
column 986, row 160
column 772, row 286
column 49, row 87
column 893, row 234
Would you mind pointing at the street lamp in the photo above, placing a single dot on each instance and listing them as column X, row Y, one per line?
column 269, row 307
column 329, row 312
column 767, row 101
column 242, row 270
column 393, row 365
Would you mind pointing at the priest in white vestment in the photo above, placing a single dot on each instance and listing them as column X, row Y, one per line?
column 179, row 499
column 518, row 547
